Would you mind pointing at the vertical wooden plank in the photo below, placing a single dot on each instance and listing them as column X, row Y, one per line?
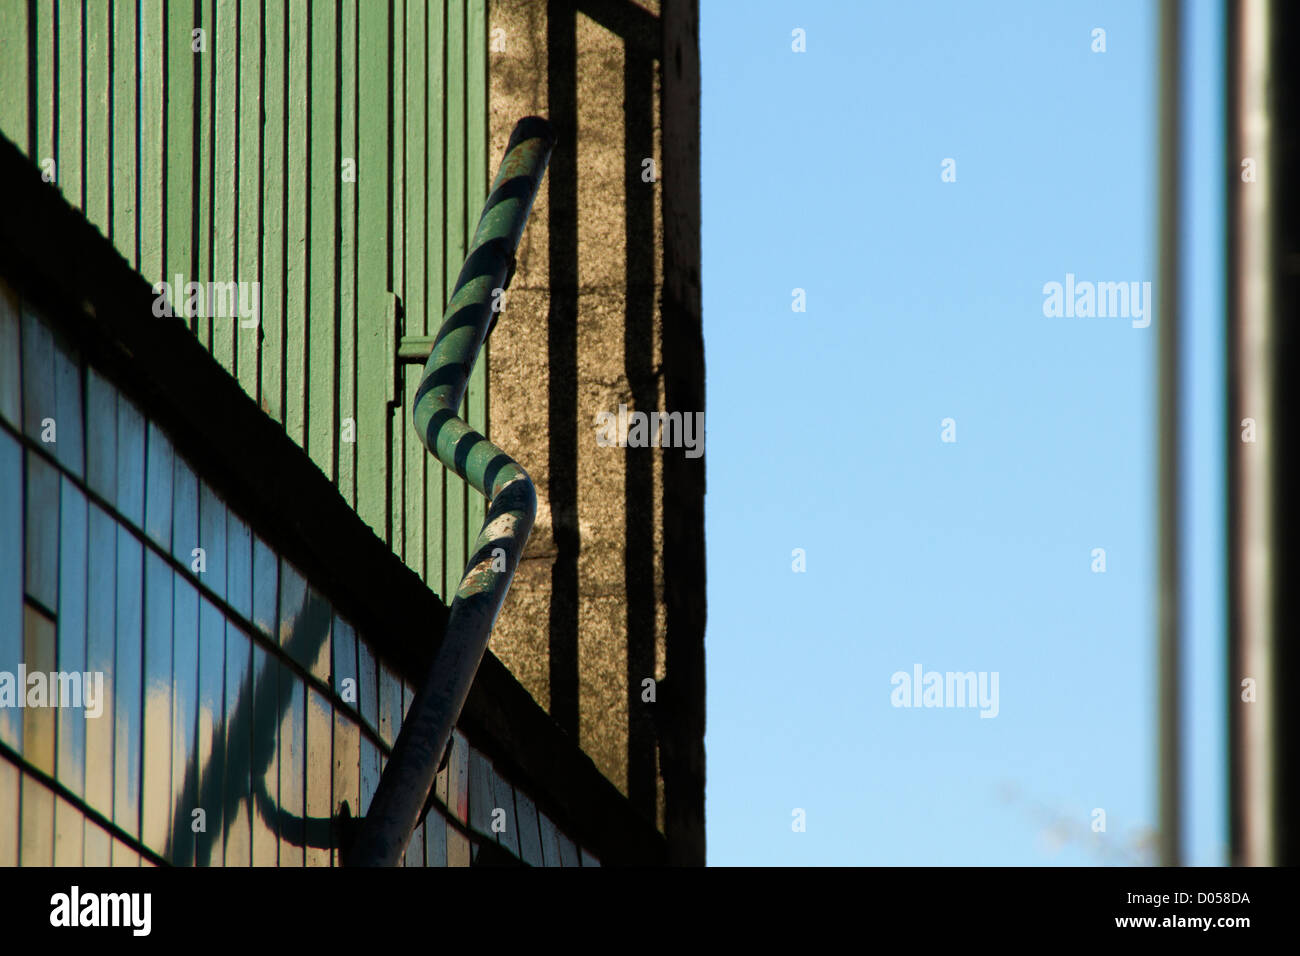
column 368, row 706
column 292, row 606
column 322, row 367
column 482, row 799
column 297, row 188
column 185, row 717
column 41, row 533
column 123, row 855
column 38, row 722
column 101, row 647
column 390, row 704
column 101, row 436
column 37, row 840
column 400, row 421
column 347, row 324
column 39, row 396
column 155, row 823
column 265, row 756
column 98, row 845
column 71, row 770
column 210, row 754
column 181, row 155
column 373, row 210
column 128, row 678
column 435, row 840
column 550, row 839
column 346, row 784
column 204, row 113
column 125, row 125
column 367, row 685
column 274, row 93
column 98, row 173
column 46, row 92
column 239, row 565
column 70, row 449
column 159, row 473
column 239, row 700
column 293, row 752
column 319, row 769
column 212, row 539
column 11, row 581
column 435, row 265
column 343, row 665
column 69, row 827
column 568, row 852
column 458, row 777
column 10, row 812
column 458, row 847
column 185, row 513
column 455, row 531
column 153, row 139
column 266, row 583
column 130, row 461
column 250, row 192
column 14, row 71
column 414, row 269
column 504, row 800
column 224, row 41
column 370, row 767
column 11, row 366
column 68, row 135
column 476, row 186
column 530, row 836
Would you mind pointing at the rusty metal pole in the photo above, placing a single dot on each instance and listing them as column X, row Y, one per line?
column 408, row 778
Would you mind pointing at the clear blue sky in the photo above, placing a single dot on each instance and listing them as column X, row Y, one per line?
column 821, row 171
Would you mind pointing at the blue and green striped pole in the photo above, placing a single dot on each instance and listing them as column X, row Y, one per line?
column 409, row 775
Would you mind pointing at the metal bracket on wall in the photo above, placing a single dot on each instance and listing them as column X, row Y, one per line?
column 416, row 349
column 394, row 320
column 404, row 786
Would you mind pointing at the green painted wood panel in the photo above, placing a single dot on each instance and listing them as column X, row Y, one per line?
column 14, row 73
column 374, row 209
column 181, row 154
column 153, row 67
column 98, row 175
column 335, row 153
column 46, row 96
column 206, row 129
column 415, row 265
column 322, row 382
column 456, row 500
column 68, row 135
column 274, row 59
column 126, row 118
column 248, row 253
column 225, row 172
column 347, row 323
column 397, row 272
column 297, row 187
column 435, row 273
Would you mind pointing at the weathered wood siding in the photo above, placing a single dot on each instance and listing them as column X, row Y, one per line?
column 228, row 164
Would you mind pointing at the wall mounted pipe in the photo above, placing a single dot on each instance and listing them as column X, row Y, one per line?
column 409, row 776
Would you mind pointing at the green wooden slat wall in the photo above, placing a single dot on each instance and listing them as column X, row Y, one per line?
column 226, row 163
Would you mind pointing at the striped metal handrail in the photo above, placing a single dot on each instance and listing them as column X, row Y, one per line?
column 409, row 776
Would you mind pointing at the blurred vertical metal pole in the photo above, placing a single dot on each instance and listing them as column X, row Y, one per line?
column 1253, row 569
column 1169, row 496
